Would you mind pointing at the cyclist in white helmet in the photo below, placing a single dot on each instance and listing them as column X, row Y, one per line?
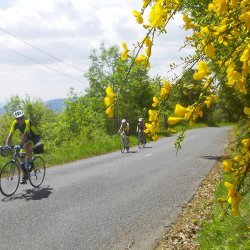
column 30, row 137
column 141, row 127
column 124, row 128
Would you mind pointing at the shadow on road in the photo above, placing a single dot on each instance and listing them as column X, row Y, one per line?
column 130, row 151
column 39, row 193
column 214, row 158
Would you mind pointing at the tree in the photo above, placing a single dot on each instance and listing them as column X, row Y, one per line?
column 134, row 93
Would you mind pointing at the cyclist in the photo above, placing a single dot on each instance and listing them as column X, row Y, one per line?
column 141, row 127
column 124, row 128
column 30, row 137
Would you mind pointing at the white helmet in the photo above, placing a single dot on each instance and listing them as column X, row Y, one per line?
column 140, row 119
column 123, row 120
column 18, row 114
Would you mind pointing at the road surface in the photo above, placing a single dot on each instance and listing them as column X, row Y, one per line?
column 111, row 201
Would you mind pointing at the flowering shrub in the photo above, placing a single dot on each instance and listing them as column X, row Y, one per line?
column 221, row 41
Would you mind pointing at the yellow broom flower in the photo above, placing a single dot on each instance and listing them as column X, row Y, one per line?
column 138, row 16
column 180, row 111
column 174, row 120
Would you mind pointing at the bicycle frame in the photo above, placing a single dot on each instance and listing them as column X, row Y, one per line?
column 124, row 139
column 124, row 142
column 16, row 156
column 141, row 139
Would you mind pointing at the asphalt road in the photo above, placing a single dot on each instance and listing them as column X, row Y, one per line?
column 111, row 201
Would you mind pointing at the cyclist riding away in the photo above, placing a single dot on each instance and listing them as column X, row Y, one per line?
column 124, row 128
column 141, row 127
column 30, row 137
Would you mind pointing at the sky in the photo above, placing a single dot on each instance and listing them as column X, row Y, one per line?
column 45, row 45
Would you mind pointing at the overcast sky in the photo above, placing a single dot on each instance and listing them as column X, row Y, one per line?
column 45, row 45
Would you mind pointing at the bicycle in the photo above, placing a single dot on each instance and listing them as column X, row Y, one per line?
column 124, row 144
column 141, row 139
column 11, row 171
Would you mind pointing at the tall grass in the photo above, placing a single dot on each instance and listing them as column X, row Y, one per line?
column 77, row 150
column 222, row 231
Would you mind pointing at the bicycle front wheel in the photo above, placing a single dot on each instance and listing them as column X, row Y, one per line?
column 37, row 175
column 122, row 146
column 9, row 178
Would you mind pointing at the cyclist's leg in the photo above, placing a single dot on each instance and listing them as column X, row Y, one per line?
column 128, row 141
column 144, row 137
column 22, row 165
column 28, row 147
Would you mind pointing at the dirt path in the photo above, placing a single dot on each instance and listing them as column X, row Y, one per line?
column 182, row 234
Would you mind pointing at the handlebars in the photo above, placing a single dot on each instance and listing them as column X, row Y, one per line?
column 7, row 150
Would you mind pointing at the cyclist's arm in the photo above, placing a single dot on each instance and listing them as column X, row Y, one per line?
column 12, row 130
column 120, row 129
column 9, row 139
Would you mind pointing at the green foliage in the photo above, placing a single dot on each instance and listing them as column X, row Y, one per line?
column 5, row 123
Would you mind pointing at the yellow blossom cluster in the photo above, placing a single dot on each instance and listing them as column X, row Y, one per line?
column 190, row 113
column 165, row 89
column 109, row 102
column 143, row 58
column 202, row 71
column 160, row 13
column 210, row 99
column 153, row 126
column 225, row 41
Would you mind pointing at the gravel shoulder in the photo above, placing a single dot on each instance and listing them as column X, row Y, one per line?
column 182, row 234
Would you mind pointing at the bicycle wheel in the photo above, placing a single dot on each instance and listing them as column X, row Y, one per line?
column 37, row 175
column 122, row 146
column 140, row 141
column 9, row 178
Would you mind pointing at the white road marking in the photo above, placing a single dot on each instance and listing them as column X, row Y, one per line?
column 148, row 155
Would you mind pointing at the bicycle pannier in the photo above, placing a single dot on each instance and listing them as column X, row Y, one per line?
column 38, row 148
column 5, row 151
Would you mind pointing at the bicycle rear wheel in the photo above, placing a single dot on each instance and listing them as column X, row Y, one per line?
column 140, row 141
column 9, row 178
column 37, row 175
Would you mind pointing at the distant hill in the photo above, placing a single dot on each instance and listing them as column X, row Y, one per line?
column 56, row 105
column 1, row 111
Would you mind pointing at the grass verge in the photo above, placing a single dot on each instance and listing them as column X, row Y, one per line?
column 82, row 150
column 223, row 231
